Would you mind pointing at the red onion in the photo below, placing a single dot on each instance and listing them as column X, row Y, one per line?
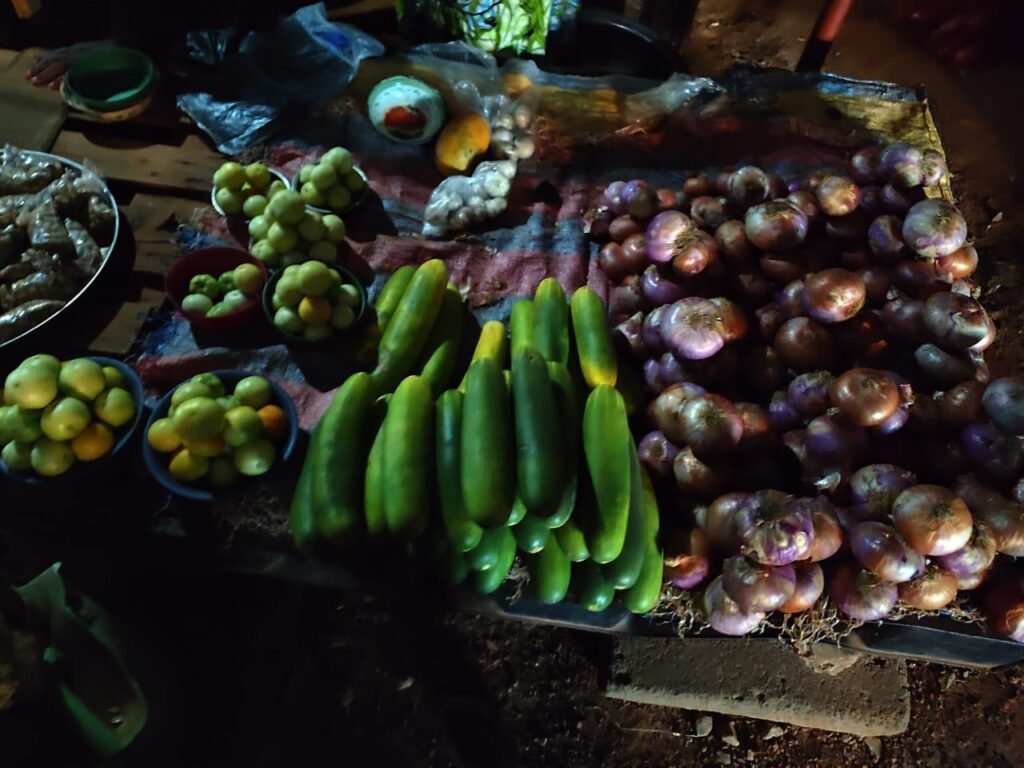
column 932, row 519
column 752, row 287
column 1003, row 517
column 625, row 299
column 885, row 236
column 932, row 590
column 652, row 376
column 640, row 199
column 811, row 181
column 665, row 411
column 893, row 423
column 901, row 164
column 934, row 228
column 807, row 203
column 933, row 168
column 860, row 594
column 613, row 198
column 782, row 268
column 850, row 228
column 691, row 328
column 874, row 488
column 763, row 368
column 865, row 396
column 758, row 434
column 835, row 440
column 838, row 195
column 898, row 200
column 668, row 199
column 871, row 202
column 622, row 227
column 803, row 345
column 917, row 278
column 808, row 393
column 775, row 226
column 711, row 425
column 618, row 261
column 958, row 322
column 716, row 369
column 658, row 289
column 942, row 367
column 1004, row 605
column 668, row 233
column 902, row 317
column 962, row 404
column 670, row 370
column 628, row 335
column 696, row 478
column 720, row 518
column 698, row 186
column 596, row 222
column 1004, row 403
column 790, row 300
column 694, row 252
column 710, row 212
column 784, row 414
column 957, row 265
column 865, row 163
column 879, row 548
column 810, row 582
column 968, row 581
column 732, row 318
column 776, row 186
column 687, row 558
column 833, row 295
column 724, row 615
column 877, row 283
column 748, row 186
column 773, row 529
column 733, row 244
column 769, row 319
column 722, row 181
column 828, row 535
column 651, row 331
column 997, row 456
column 975, row 556
column 757, row 587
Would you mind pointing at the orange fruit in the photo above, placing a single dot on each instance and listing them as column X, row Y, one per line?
column 275, row 422
column 94, row 441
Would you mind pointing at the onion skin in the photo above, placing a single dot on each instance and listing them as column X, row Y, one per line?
column 625, row 299
column 596, row 222
column 804, row 345
column 758, row 433
column 1003, row 517
column 710, row 212
column 640, row 199
column 1003, row 401
column 784, row 414
column 694, row 252
column 782, row 268
column 724, row 615
column 666, row 233
column 670, row 370
column 838, row 195
column 865, row 396
column 790, row 300
column 934, row 228
column 691, row 328
column 733, row 245
column 833, row 295
column 665, row 411
column 898, row 200
column 622, row 227
column 860, row 594
column 687, row 558
column 628, row 335
column 809, row 393
column 997, row 456
column 874, row 488
column 719, row 520
column 613, row 198
column 962, row 404
column 958, row 322
column 732, row 318
column 958, row 265
column 1004, row 605
column 755, row 587
column 828, row 535
column 769, row 319
column 668, row 199
column 944, row 368
column 752, row 287
column 885, row 236
column 871, row 202
column 774, row 530
column 806, row 202
column 879, row 548
column 932, row 519
column 877, row 282
column 901, row 164
column 810, row 583
column 775, row 226
column 695, row 477
column 975, row 557
column 651, row 331
column 850, row 228
column 834, row 440
column 865, row 164
column 658, row 289
column 932, row 590
column 933, row 168
column 657, row 452
column 712, row 426
column 748, row 186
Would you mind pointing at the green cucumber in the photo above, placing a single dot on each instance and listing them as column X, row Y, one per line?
column 487, row 460
column 487, row 553
column 520, row 326
column 488, row 581
column 391, row 293
column 463, row 533
column 550, row 572
column 624, row 570
column 408, row 465
column 518, row 512
column 608, row 447
column 373, row 491
column 593, row 338
column 567, row 406
column 492, row 344
column 302, row 513
column 571, row 539
column 442, row 349
column 540, row 459
column 590, row 587
column 456, row 567
column 531, row 534
column 643, row 596
column 551, row 321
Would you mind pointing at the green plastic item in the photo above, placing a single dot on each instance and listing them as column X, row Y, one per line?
column 109, row 79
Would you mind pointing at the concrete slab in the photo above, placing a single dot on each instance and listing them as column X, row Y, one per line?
column 765, row 680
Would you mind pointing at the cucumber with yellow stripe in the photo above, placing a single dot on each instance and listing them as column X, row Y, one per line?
column 442, row 349
column 488, row 581
column 406, row 334
column 551, row 321
column 590, row 587
column 301, row 513
column 608, row 447
column 487, row 460
column 593, row 338
column 550, row 572
column 520, row 326
column 567, row 405
column 492, row 344
column 540, row 456
column 408, row 464
column 391, row 293
column 463, row 533
column 373, row 488
column 573, row 542
column 643, row 596
column 624, row 570
column 338, row 461
column 531, row 534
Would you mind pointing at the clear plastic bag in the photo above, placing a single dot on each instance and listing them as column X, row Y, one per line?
column 305, row 61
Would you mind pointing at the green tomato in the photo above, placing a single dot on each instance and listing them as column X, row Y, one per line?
column 197, row 303
column 230, row 175
column 354, row 183
column 195, row 388
column 230, row 201
column 342, row 317
column 222, row 472
column 275, row 186
column 306, row 173
column 311, row 195
column 288, row 291
column 324, row 251
column 248, row 279
column 21, row 424
column 235, row 299
column 227, row 281
column 316, row 333
column 207, row 285
column 255, row 458
column 220, row 309
column 243, row 426
column 340, row 158
column 339, row 198
column 265, row 252
column 214, row 386
column 323, row 176
column 288, row 321
column 17, row 455
column 254, row 206
column 283, row 238
column 294, row 258
column 258, row 175
column 253, row 391
column 259, row 227
column 312, row 229
column 335, row 228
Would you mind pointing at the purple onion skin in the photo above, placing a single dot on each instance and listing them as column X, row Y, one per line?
column 973, row 558
column 658, row 289
column 657, row 452
column 996, row 455
column 864, row 164
column 871, row 202
column 1003, row 401
column 748, row 186
column 790, row 300
column 860, row 594
column 690, row 328
column 670, row 370
column 710, row 212
column 769, row 319
column 933, row 168
column 758, row 432
column 755, row 587
column 613, row 198
column 773, row 529
column 934, row 228
column 712, row 426
column 901, row 164
column 629, row 335
column 625, row 299
column 871, row 540
column 808, row 392
column 784, row 414
column 834, row 440
column 776, row 226
column 652, row 377
column 733, row 244
column 885, row 238
column 874, row 488
column 651, row 331
column 810, row 583
column 838, row 195
column 944, row 368
column 724, row 615
column 666, row 232
column 893, row 423
column 958, row 322
column 898, row 200
column 640, row 198
column 807, row 203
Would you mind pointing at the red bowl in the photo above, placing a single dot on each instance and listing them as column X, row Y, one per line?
column 211, row 261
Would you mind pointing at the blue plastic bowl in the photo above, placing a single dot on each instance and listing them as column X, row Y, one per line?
column 157, row 463
column 123, row 434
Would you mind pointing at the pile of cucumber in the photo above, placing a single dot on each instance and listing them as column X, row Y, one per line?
column 531, row 453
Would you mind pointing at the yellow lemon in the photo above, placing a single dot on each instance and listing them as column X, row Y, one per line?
column 82, row 378
column 315, row 310
column 95, row 441
column 51, row 458
column 65, row 419
column 115, row 406
column 187, row 466
column 162, row 436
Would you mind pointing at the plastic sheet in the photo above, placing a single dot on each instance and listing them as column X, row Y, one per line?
column 304, row 62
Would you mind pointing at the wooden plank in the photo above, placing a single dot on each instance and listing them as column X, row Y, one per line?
column 154, row 219
column 119, row 335
column 187, row 168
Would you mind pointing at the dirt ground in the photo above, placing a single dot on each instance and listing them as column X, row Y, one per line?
column 261, row 673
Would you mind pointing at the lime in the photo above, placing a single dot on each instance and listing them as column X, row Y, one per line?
column 253, row 391
column 222, row 473
column 255, row 458
column 339, row 198
column 185, row 466
column 17, row 455
column 65, row 419
column 82, row 378
column 196, row 303
column 243, row 426
column 115, row 407
column 259, row 227
column 198, row 419
column 193, row 388
column 94, row 442
column 162, row 437
column 335, row 228
column 50, row 458
column 33, row 387
column 340, row 158
column 214, row 386
column 254, row 206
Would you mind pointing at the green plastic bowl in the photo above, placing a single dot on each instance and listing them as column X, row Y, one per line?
column 109, row 79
